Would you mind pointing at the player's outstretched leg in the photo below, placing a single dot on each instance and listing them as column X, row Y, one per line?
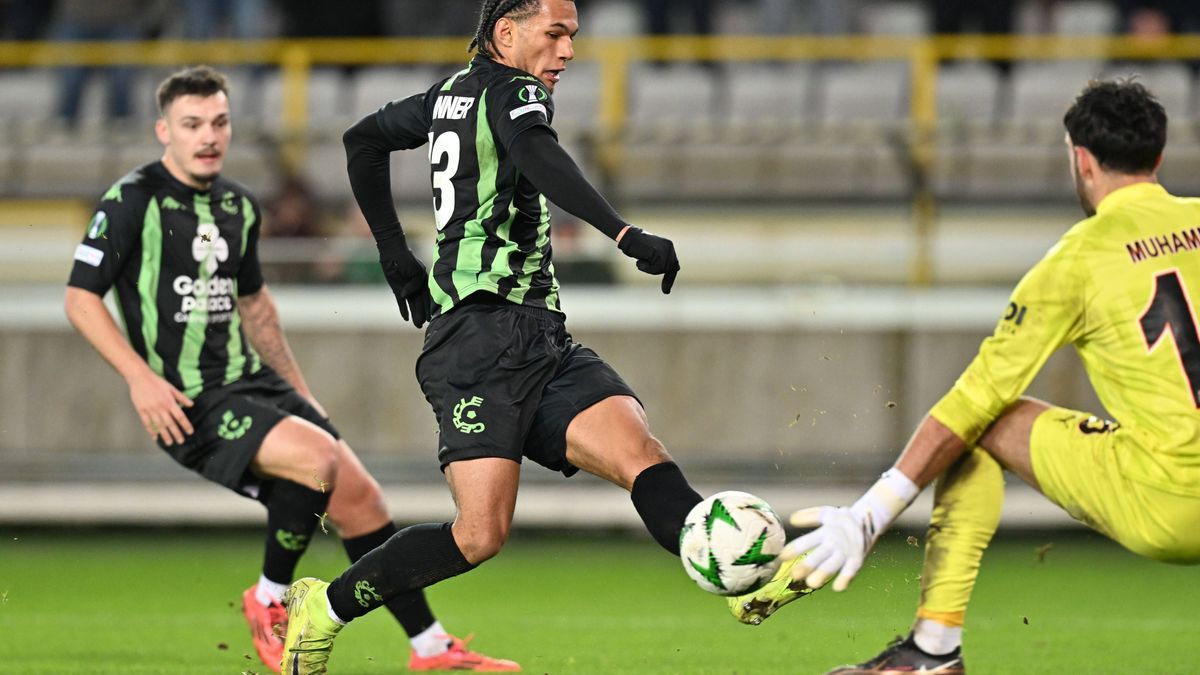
column 311, row 628
column 611, row 439
column 753, row 608
column 904, row 657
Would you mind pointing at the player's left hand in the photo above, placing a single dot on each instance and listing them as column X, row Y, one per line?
column 408, row 279
column 837, row 547
column 655, row 255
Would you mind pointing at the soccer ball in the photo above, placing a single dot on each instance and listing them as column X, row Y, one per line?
column 730, row 543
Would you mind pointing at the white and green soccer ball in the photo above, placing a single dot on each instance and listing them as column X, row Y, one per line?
column 730, row 543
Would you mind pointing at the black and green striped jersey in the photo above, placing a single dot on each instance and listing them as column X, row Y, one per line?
column 177, row 260
column 493, row 224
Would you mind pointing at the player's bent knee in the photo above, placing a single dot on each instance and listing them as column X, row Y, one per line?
column 649, row 454
column 301, row 452
column 357, row 504
column 654, row 451
column 324, row 461
column 480, row 544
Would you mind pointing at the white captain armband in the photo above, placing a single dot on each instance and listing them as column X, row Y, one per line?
column 532, row 107
column 89, row 254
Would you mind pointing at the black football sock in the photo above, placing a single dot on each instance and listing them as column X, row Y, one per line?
column 293, row 512
column 409, row 608
column 663, row 498
column 409, row 560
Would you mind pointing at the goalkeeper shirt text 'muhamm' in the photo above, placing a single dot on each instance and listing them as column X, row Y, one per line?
column 1119, row 286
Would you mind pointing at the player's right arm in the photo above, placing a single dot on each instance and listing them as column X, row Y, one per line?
column 157, row 402
column 540, row 157
column 99, row 260
column 399, row 125
column 519, row 114
column 1045, row 312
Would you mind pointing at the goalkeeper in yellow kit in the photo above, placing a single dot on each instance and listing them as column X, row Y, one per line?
column 1119, row 286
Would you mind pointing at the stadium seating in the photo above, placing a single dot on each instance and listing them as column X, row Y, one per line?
column 27, row 94
column 766, row 130
column 1088, row 17
column 895, row 18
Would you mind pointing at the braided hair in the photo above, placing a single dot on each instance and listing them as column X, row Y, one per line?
column 492, row 11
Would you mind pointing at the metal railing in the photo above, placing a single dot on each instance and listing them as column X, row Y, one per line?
column 614, row 56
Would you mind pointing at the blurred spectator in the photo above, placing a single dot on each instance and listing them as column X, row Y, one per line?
column 1157, row 18
column 113, row 20
column 662, row 17
column 824, row 17
column 293, row 211
column 334, row 18
column 24, row 19
column 994, row 17
column 293, row 223
column 575, row 262
column 238, row 19
column 441, row 18
column 353, row 258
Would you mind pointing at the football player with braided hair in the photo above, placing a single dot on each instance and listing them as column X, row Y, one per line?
column 504, row 377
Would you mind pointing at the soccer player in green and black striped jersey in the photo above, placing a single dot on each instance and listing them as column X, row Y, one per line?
column 209, row 371
column 504, row 377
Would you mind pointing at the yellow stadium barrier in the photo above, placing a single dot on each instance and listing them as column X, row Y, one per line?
column 614, row 56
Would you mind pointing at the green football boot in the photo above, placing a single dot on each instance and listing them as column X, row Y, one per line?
column 754, row 607
column 310, row 630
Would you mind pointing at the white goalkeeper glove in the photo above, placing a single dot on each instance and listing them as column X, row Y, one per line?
column 844, row 536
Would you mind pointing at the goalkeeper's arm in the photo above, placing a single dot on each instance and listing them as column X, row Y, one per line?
column 844, row 536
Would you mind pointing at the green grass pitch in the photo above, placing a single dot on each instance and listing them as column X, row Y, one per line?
column 165, row 601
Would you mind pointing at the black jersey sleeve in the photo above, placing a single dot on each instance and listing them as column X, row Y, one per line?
column 250, row 276
column 111, row 239
column 405, row 122
column 547, row 165
column 400, row 125
column 517, row 104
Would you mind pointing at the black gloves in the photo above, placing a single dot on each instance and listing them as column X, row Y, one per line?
column 408, row 279
column 655, row 255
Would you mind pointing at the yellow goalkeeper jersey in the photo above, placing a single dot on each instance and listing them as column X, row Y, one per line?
column 1120, row 287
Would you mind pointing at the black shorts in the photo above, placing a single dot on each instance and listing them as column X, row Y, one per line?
column 506, row 380
column 230, row 424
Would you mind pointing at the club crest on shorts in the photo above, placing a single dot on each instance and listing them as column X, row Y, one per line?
column 232, row 428
column 1095, row 425
column 466, row 410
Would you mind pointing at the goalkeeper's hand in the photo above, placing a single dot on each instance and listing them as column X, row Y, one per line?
column 844, row 536
column 655, row 255
column 838, row 546
column 408, row 279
